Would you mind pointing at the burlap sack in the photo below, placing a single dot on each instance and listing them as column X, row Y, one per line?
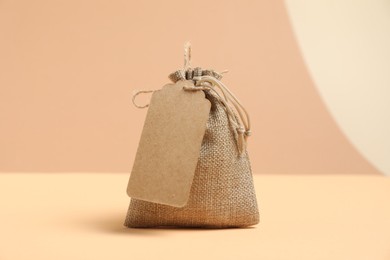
column 222, row 194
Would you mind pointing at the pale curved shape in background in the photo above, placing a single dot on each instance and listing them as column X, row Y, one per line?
column 346, row 47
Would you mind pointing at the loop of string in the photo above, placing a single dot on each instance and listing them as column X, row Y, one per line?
column 136, row 93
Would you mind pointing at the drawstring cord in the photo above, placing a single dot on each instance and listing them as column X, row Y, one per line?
column 242, row 123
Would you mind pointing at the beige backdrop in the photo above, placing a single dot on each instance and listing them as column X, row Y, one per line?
column 68, row 68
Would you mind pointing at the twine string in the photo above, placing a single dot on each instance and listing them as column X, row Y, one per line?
column 138, row 92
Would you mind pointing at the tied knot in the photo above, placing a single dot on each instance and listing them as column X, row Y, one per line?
column 241, row 130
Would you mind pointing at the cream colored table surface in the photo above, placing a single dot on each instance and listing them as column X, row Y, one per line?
column 80, row 216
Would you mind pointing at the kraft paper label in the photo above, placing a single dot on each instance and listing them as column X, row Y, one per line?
column 169, row 147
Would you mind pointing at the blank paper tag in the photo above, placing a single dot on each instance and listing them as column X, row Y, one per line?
column 169, row 148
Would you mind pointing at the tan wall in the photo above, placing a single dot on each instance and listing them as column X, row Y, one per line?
column 68, row 68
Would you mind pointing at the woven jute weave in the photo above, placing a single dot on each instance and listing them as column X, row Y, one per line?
column 222, row 194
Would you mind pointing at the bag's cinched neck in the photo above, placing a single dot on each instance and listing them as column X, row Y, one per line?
column 191, row 74
column 210, row 80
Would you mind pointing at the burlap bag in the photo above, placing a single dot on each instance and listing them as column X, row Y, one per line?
column 222, row 194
